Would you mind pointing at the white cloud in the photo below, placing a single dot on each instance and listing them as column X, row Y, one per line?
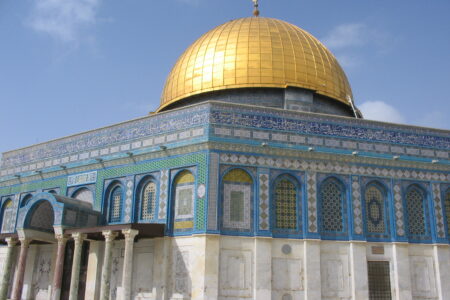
column 434, row 119
column 63, row 19
column 381, row 111
column 346, row 35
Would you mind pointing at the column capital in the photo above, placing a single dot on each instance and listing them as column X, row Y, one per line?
column 130, row 234
column 78, row 237
column 61, row 238
column 11, row 241
column 24, row 242
column 109, row 235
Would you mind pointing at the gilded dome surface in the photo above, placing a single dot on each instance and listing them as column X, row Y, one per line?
column 256, row 52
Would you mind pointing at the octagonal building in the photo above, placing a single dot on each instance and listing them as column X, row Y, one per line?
column 256, row 178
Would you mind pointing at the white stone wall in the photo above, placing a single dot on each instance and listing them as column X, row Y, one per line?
column 243, row 268
column 207, row 267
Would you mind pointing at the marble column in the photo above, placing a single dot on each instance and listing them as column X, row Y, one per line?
column 127, row 274
column 18, row 280
column 59, row 265
column 106, row 269
column 78, row 239
column 7, row 268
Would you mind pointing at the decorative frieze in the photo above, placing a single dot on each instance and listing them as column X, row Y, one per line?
column 330, row 166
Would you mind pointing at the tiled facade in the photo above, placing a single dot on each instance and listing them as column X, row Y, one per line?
column 244, row 127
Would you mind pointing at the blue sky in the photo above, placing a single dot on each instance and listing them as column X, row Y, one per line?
column 68, row 66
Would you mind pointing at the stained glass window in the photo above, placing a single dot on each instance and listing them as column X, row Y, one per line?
column 148, row 201
column 447, row 209
column 374, row 197
column 285, row 205
column 116, row 205
column 8, row 215
column 415, row 207
column 331, row 195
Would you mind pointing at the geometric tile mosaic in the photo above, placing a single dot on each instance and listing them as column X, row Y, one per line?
column 438, row 210
column 264, row 200
column 357, row 209
column 163, row 190
column 213, row 191
column 398, row 210
column 311, row 190
column 330, row 166
column 128, row 200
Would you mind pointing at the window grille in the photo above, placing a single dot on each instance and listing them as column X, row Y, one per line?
column 375, row 209
column 116, row 205
column 415, row 207
column 331, row 195
column 379, row 280
column 285, row 205
column 148, row 201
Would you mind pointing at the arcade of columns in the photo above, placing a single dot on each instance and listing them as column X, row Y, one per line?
column 61, row 239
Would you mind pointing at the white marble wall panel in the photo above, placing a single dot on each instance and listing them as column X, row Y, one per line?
column 423, row 279
column 142, row 280
column 236, row 273
column 42, row 273
column 335, row 271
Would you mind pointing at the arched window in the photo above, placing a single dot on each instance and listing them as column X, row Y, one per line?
column 184, row 185
column 8, row 216
column 85, row 195
column 331, row 194
column 148, row 201
column 115, row 200
column 25, row 200
column 285, row 204
column 375, row 208
column 237, row 192
column 415, row 206
column 447, row 210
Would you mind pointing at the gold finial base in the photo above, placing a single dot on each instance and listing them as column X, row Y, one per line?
column 256, row 10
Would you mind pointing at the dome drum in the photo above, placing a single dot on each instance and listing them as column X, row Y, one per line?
column 290, row 98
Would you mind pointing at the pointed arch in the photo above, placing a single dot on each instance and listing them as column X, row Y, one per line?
column 237, row 193
column 83, row 194
column 41, row 216
column 26, row 199
column 7, row 216
column 332, row 196
column 147, row 194
column 415, row 197
column 114, row 202
column 286, row 203
column 375, row 195
column 184, row 196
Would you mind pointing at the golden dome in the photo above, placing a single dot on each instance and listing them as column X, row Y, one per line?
column 256, row 52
